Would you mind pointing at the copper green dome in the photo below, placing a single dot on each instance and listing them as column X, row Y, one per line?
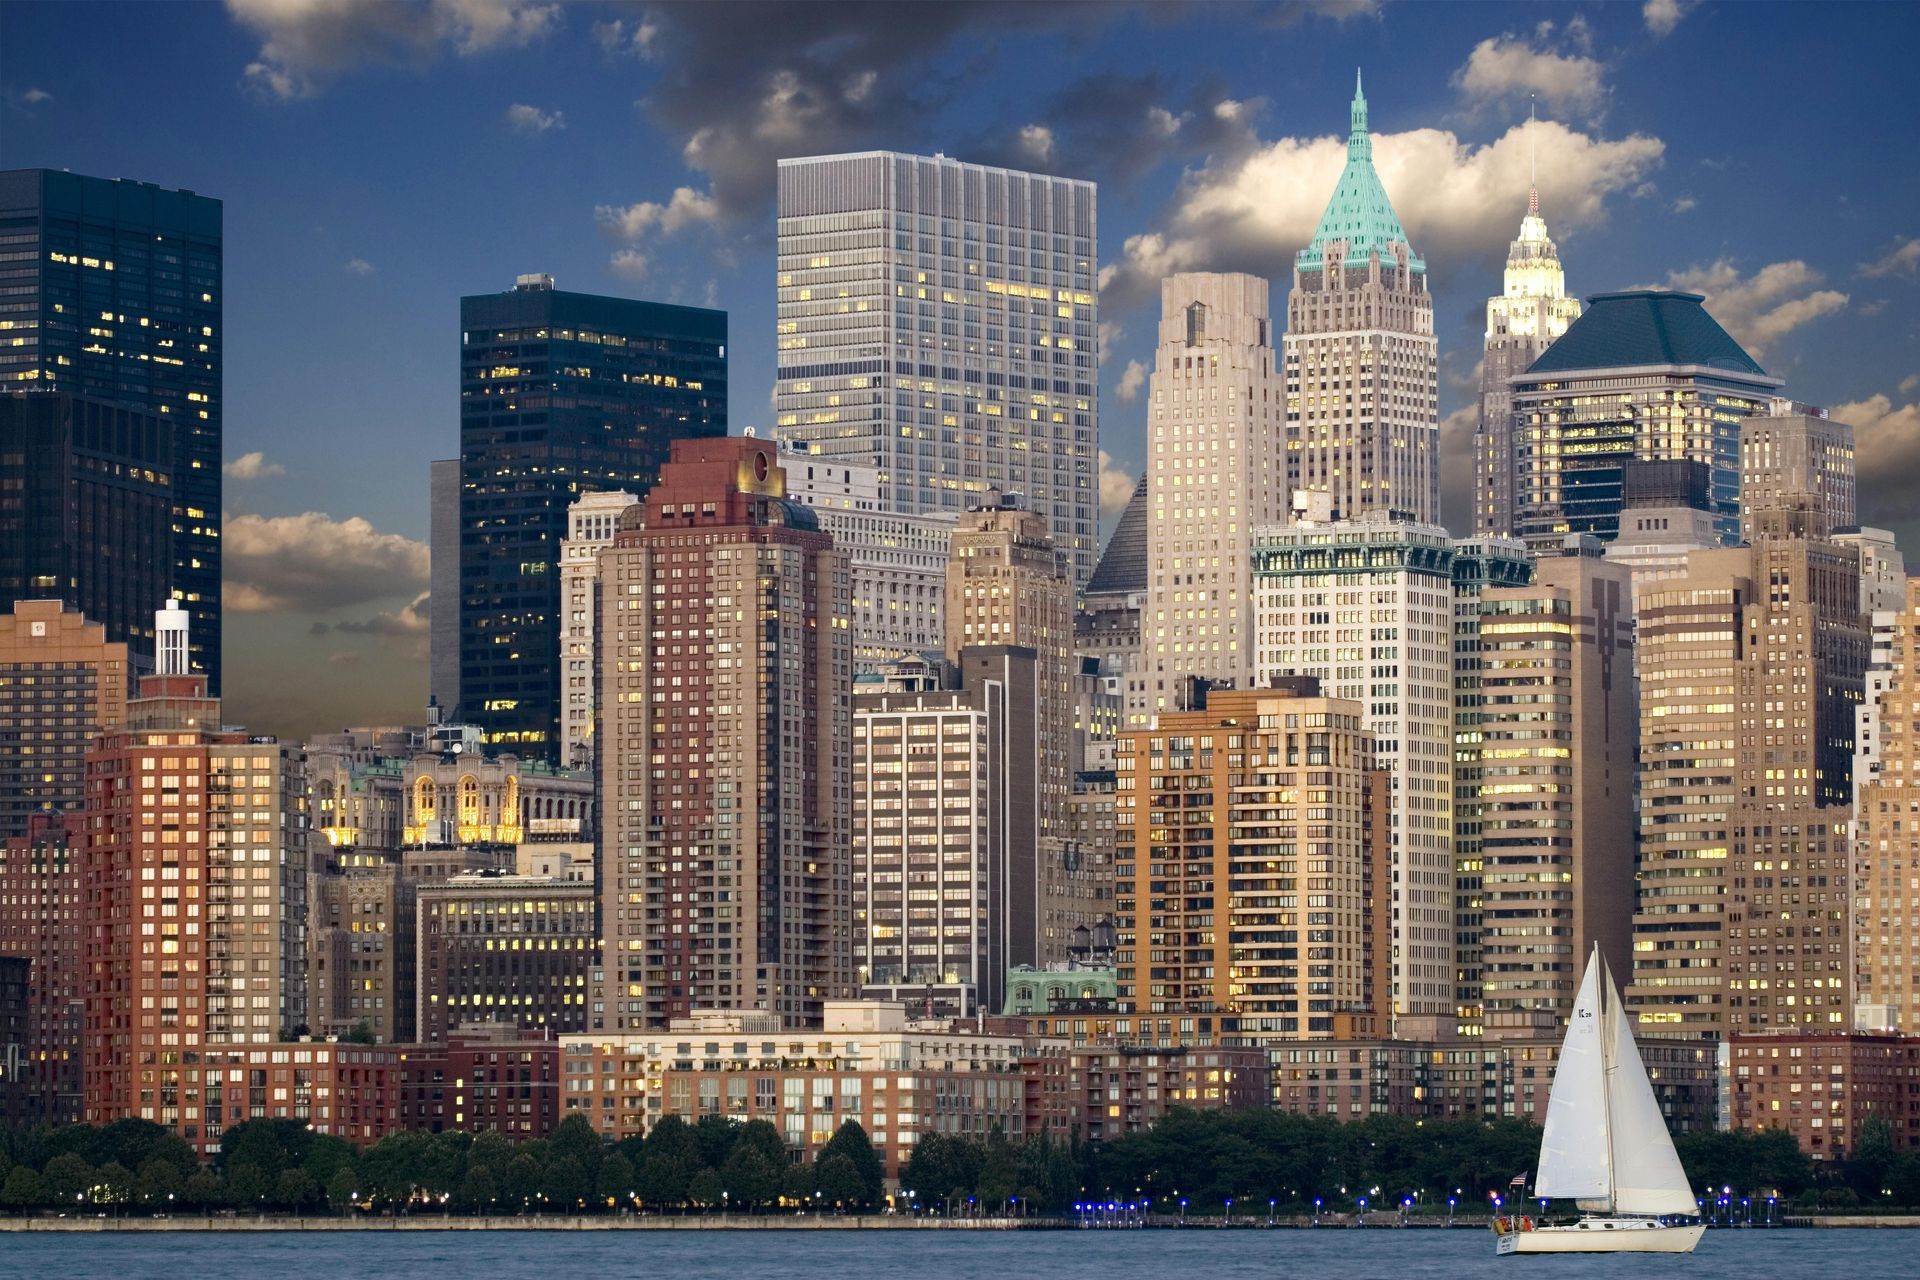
column 1359, row 212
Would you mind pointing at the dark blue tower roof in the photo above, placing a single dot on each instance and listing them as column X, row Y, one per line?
column 1642, row 327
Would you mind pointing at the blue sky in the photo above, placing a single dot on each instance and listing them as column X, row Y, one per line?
column 380, row 159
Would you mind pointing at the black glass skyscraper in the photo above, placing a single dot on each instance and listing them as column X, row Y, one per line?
column 560, row 393
column 110, row 291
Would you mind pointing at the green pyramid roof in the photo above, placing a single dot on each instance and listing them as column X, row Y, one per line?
column 1359, row 212
column 1645, row 327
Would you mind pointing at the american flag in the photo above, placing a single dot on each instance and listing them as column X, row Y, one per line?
column 1519, row 1180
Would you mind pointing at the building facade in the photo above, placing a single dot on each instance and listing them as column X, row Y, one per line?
column 61, row 682
column 1367, row 607
column 940, row 321
column 1529, row 316
column 591, row 522
column 89, row 517
column 1558, row 746
column 40, row 922
column 1217, row 469
column 560, row 393
column 725, row 765
column 1640, row 376
column 898, row 561
column 1250, row 876
column 514, row 950
column 122, row 306
column 1886, row 854
column 1824, row 1086
column 1796, row 473
column 1362, row 364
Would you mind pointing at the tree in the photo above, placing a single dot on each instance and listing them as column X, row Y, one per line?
column 663, row 1180
column 247, row 1186
column 158, row 1183
column 522, row 1181
column 565, row 1183
column 851, row 1140
column 838, row 1182
column 672, row 1136
column 203, row 1189
column 798, row 1184
column 362, row 1033
column 341, row 1188
column 295, row 1190
column 704, row 1189
column 749, row 1178
column 615, row 1181
column 22, row 1190
column 67, row 1178
column 478, row 1189
column 713, row 1139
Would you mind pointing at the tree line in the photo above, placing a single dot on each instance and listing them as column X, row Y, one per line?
column 1191, row 1162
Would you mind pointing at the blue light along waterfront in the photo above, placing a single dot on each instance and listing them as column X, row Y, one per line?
column 1193, row 1254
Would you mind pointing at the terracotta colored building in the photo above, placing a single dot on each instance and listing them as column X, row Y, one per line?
column 482, row 1079
column 725, row 747
column 61, row 682
column 40, row 921
column 1822, row 1086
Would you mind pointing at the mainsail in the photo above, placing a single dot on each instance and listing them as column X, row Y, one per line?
column 1575, row 1156
column 1606, row 1144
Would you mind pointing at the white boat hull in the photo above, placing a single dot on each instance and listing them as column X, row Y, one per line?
column 1604, row 1235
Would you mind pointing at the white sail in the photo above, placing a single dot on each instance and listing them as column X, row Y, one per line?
column 1647, row 1177
column 1574, row 1151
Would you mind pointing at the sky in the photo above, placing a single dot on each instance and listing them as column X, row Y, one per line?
column 379, row 159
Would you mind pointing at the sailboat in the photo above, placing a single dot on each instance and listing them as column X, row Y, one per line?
column 1606, row 1145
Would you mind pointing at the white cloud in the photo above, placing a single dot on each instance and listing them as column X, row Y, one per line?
column 252, row 466
column 1456, row 465
column 1902, row 260
column 1116, row 486
column 1662, row 16
column 1909, row 383
column 1459, row 202
column 1760, row 309
column 1886, row 441
column 619, row 36
column 1036, row 143
column 1132, row 379
column 305, row 43
column 532, row 121
column 1110, row 333
column 1685, row 204
column 357, row 267
column 628, row 264
column 312, row 563
column 1505, row 68
column 34, row 97
column 412, row 620
column 684, row 209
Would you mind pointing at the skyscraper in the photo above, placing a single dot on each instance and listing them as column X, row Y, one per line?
column 940, row 321
column 1796, row 473
column 560, row 393
column 210, row 948
column 61, row 682
column 724, row 746
column 1262, row 905
column 1008, row 585
column 591, row 524
column 1648, row 376
column 1217, row 469
column 1362, row 366
column 1528, row 316
column 1558, row 738
column 1366, row 606
column 1886, row 895
column 121, row 306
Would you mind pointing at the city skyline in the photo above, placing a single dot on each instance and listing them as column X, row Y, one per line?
column 528, row 111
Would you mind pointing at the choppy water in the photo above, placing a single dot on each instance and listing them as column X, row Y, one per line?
column 1193, row 1254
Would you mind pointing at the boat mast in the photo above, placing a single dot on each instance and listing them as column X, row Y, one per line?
column 1607, row 1066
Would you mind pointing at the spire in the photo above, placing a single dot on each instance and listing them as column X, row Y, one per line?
column 1533, row 183
column 1359, row 145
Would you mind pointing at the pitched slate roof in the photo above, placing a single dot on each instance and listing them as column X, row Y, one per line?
column 1123, row 565
column 1642, row 327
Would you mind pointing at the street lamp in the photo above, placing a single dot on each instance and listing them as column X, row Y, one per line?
column 1228, row 1220
column 1183, row 1213
column 1316, row 1211
column 1269, row 1213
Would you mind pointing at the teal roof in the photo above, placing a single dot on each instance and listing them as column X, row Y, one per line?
column 1643, row 327
column 1359, row 212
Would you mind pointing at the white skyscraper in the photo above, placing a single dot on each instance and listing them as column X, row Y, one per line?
column 898, row 561
column 591, row 523
column 1363, row 389
column 1367, row 605
column 1522, row 321
column 939, row 321
column 1217, row 467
